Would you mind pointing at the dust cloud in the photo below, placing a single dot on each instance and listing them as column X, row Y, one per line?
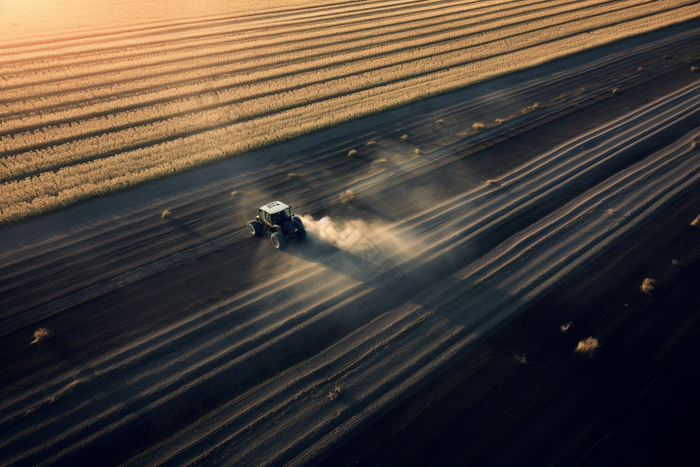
column 370, row 240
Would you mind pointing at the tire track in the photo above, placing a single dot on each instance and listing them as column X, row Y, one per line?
column 144, row 388
column 382, row 178
column 406, row 346
column 520, row 283
column 489, row 298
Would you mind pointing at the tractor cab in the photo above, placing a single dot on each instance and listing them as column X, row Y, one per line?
column 274, row 213
column 277, row 218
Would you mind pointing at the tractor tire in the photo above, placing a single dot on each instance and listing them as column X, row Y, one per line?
column 255, row 228
column 278, row 240
column 301, row 233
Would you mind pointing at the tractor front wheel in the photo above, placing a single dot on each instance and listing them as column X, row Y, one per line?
column 278, row 240
column 255, row 228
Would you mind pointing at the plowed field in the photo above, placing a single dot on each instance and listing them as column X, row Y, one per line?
column 431, row 316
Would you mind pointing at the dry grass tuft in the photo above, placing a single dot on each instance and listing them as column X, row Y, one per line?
column 615, row 91
column 371, row 143
column 500, row 120
column 234, row 193
column 587, row 346
column 439, row 120
column 40, row 335
column 523, row 359
column 403, row 137
column 693, row 69
column 166, row 215
column 565, row 327
column 347, row 197
column 676, row 263
column 417, row 151
column 478, row 126
column 696, row 222
column 530, row 108
column 291, row 175
column 378, row 162
column 610, row 212
column 352, row 153
column 333, row 395
column 648, row 285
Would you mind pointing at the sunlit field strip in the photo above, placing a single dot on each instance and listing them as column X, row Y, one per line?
column 261, row 84
column 68, row 185
column 200, row 95
column 230, row 38
column 237, row 29
column 98, row 99
column 228, row 107
column 261, row 48
column 101, row 29
column 224, row 40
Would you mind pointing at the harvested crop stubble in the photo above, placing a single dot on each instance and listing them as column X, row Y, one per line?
column 108, row 116
column 587, row 346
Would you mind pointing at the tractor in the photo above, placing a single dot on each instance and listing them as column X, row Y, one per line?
column 277, row 218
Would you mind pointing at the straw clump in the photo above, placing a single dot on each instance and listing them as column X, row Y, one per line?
column 347, row 197
column 587, row 346
column 648, row 285
column 40, row 335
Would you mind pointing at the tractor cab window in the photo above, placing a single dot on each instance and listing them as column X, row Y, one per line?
column 279, row 217
column 265, row 216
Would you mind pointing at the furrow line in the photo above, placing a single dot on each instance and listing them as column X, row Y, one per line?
column 147, row 345
column 554, row 184
column 335, row 437
column 606, row 136
column 562, row 220
column 360, row 385
column 147, row 384
column 238, row 414
column 578, row 241
column 126, row 420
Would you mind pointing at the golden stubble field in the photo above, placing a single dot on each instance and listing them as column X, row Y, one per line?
column 100, row 98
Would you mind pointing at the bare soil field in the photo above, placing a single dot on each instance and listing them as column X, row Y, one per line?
column 430, row 318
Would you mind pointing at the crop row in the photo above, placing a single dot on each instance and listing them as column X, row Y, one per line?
column 261, row 77
column 168, row 41
column 238, row 54
column 68, row 185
